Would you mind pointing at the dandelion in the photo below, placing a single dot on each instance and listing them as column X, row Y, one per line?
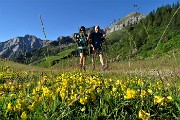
column 144, row 115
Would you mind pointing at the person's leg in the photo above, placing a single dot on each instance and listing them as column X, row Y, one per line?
column 93, row 55
column 84, row 62
column 101, row 58
column 81, row 60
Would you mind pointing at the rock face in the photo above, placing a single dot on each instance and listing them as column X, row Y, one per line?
column 21, row 45
column 132, row 18
column 65, row 40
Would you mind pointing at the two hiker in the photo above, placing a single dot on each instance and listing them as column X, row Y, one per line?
column 94, row 40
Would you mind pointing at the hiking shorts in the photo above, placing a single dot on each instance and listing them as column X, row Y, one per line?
column 97, row 50
column 84, row 51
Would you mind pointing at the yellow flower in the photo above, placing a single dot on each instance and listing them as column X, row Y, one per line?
column 1, row 92
column 83, row 101
column 24, row 116
column 114, row 89
column 63, row 95
column 12, row 95
column 93, row 96
column 18, row 107
column 159, row 100
column 99, row 90
column 150, row 91
column 169, row 98
column 130, row 94
column 83, row 109
column 168, row 84
column 12, row 88
column 31, row 107
column 19, row 87
column 143, row 93
column 144, row 115
column 140, row 82
column 9, row 107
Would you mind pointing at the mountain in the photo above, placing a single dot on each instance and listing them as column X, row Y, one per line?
column 130, row 19
column 19, row 45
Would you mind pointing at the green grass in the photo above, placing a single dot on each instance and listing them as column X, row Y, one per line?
column 156, row 73
column 48, row 61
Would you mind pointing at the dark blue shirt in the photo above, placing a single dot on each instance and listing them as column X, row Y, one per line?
column 96, row 39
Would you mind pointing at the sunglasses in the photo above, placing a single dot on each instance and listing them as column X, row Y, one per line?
column 82, row 30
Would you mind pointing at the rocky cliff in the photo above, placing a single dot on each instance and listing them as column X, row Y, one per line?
column 21, row 45
column 132, row 18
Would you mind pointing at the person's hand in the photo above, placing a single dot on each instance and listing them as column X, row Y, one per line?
column 92, row 47
column 77, row 40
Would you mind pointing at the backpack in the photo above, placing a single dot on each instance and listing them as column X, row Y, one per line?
column 82, row 41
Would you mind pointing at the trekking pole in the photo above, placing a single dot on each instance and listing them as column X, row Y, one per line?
column 42, row 27
column 91, row 54
column 107, row 65
column 44, row 34
column 106, row 51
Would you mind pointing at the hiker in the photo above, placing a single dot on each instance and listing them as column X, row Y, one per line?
column 81, row 40
column 95, row 40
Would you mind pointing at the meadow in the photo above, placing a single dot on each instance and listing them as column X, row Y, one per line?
column 128, row 90
column 142, row 81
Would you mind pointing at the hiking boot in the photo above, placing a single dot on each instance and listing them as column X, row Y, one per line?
column 80, row 66
column 104, row 67
column 84, row 68
column 93, row 67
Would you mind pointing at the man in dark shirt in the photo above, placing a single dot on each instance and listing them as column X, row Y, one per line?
column 96, row 38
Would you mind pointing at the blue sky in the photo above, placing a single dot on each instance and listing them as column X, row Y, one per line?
column 63, row 17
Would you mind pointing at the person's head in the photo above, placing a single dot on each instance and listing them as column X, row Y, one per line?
column 96, row 28
column 82, row 29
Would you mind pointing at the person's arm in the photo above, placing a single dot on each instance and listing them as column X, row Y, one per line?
column 103, row 38
column 77, row 39
column 90, row 40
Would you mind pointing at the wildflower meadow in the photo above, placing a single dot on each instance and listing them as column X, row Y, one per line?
column 30, row 95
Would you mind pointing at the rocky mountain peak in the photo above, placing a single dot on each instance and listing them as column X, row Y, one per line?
column 19, row 45
column 131, row 18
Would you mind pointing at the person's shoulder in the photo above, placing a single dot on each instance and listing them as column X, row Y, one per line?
column 101, row 34
column 86, row 35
